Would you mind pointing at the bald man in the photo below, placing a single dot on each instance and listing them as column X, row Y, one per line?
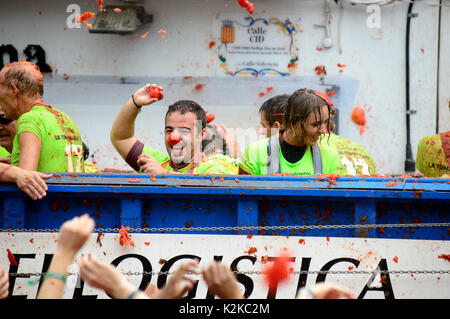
column 47, row 140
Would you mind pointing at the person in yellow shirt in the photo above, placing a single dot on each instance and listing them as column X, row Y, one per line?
column 433, row 155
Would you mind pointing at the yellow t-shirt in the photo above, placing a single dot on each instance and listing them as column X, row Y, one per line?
column 433, row 155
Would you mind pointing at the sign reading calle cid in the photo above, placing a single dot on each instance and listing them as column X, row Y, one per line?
column 370, row 268
column 261, row 46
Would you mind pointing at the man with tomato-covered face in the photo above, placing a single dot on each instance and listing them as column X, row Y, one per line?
column 184, row 131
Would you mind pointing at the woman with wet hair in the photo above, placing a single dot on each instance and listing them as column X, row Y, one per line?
column 295, row 150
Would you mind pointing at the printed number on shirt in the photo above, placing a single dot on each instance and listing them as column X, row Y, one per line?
column 353, row 164
column 77, row 151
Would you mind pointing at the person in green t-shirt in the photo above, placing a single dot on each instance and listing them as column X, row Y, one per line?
column 185, row 128
column 47, row 140
column 7, row 131
column 354, row 158
column 433, row 155
column 295, row 149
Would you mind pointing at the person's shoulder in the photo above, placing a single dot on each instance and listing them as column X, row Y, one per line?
column 258, row 145
column 219, row 164
column 429, row 139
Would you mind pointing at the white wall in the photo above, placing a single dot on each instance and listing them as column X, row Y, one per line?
column 375, row 57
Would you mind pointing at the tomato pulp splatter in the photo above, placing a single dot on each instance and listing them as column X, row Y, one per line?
column 210, row 118
column 320, row 69
column 199, row 86
column 125, row 238
column 276, row 271
column 247, row 5
column 100, row 5
column 359, row 117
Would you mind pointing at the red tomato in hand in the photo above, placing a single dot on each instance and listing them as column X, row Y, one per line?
column 155, row 93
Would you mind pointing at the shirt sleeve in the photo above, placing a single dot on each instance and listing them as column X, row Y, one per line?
column 249, row 162
column 28, row 123
column 133, row 155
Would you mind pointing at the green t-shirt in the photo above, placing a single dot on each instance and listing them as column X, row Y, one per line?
column 211, row 165
column 4, row 152
column 255, row 158
column 432, row 157
column 354, row 159
column 61, row 147
column 89, row 167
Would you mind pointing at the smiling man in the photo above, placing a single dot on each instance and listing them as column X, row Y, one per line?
column 184, row 131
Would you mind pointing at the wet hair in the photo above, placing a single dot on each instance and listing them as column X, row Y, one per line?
column 300, row 105
column 213, row 141
column 184, row 106
column 26, row 76
column 274, row 108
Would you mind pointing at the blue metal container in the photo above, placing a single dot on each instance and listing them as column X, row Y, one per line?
column 272, row 205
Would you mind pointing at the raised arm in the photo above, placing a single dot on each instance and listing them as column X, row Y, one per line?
column 122, row 131
column 72, row 236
